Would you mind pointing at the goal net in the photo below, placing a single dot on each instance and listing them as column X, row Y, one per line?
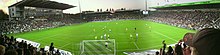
column 98, row 47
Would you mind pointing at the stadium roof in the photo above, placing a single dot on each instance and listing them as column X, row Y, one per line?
column 193, row 5
column 43, row 4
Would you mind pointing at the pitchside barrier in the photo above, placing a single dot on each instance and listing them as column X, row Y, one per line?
column 98, row 47
column 62, row 52
column 35, row 44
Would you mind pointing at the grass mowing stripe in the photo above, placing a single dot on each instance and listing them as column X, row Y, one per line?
column 97, row 49
column 104, row 50
column 87, row 52
column 98, row 46
column 90, row 49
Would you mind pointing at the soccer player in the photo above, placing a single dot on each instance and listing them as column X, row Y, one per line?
column 136, row 34
column 106, row 44
column 103, row 29
column 108, row 37
column 149, row 28
column 135, row 30
column 131, row 36
column 136, row 37
column 110, row 30
column 105, row 36
column 94, row 30
column 96, row 37
column 101, row 37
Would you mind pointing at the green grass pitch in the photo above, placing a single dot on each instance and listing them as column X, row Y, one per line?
column 150, row 35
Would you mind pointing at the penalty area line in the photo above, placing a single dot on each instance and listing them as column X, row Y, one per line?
column 165, row 36
column 136, row 45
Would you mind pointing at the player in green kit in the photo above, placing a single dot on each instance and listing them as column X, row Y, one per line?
column 96, row 37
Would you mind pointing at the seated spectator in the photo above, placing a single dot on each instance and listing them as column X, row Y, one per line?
column 11, row 52
column 2, row 50
column 57, row 52
column 157, row 53
column 186, row 51
column 20, row 51
column 161, row 51
column 204, row 42
column 178, row 50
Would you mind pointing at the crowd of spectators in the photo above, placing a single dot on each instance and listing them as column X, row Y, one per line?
column 134, row 14
column 9, row 46
column 203, row 42
column 26, row 25
column 190, row 19
column 117, row 15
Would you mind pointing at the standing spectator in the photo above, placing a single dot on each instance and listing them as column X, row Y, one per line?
column 170, row 51
column 12, row 38
column 164, row 47
column 2, row 40
column 51, row 49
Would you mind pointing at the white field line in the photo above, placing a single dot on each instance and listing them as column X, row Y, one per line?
column 92, row 47
column 46, row 37
column 65, row 45
column 136, row 45
column 164, row 35
column 142, row 48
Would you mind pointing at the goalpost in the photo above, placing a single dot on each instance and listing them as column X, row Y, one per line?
column 98, row 47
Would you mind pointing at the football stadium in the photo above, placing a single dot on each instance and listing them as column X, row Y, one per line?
column 40, row 27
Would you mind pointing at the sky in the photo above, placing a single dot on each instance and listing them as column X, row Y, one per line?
column 93, row 5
